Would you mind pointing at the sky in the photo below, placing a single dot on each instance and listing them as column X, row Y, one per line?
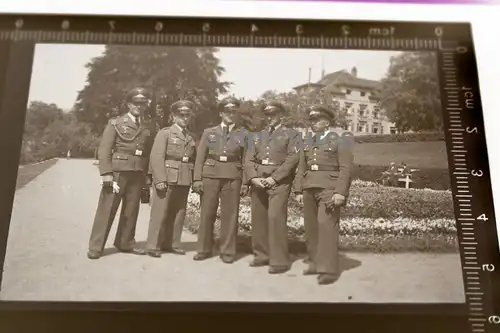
column 59, row 69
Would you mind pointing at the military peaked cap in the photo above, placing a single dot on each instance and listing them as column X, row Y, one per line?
column 182, row 106
column 138, row 95
column 272, row 106
column 318, row 110
column 230, row 102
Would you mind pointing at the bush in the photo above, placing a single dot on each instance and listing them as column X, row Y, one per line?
column 376, row 219
column 404, row 137
column 431, row 178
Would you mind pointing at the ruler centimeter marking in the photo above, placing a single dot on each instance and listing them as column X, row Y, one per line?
column 463, row 197
column 229, row 40
column 459, row 168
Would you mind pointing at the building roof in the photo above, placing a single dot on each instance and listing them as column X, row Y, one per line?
column 342, row 78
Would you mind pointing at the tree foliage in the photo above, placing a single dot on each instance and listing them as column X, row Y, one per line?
column 252, row 116
column 177, row 72
column 49, row 132
column 410, row 92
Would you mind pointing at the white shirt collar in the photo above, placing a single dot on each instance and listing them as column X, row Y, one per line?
column 230, row 127
column 325, row 133
column 133, row 117
column 277, row 126
column 180, row 128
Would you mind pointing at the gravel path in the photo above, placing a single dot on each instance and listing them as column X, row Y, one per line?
column 46, row 260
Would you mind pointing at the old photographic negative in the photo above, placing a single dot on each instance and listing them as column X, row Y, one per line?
column 202, row 174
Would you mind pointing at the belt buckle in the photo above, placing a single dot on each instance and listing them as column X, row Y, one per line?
column 185, row 159
column 265, row 162
column 314, row 167
column 138, row 152
column 223, row 158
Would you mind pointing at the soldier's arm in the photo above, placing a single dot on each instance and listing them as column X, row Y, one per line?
column 244, row 142
column 346, row 165
column 301, row 169
column 105, row 151
column 249, row 163
column 292, row 159
column 148, row 148
column 201, row 155
column 157, row 157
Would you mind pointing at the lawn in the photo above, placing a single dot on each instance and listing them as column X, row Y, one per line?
column 29, row 172
column 415, row 154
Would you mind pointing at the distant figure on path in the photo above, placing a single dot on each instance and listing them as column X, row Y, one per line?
column 68, row 154
column 123, row 164
column 171, row 164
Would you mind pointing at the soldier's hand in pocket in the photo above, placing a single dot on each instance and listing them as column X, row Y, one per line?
column 107, row 180
column 161, row 186
column 198, row 187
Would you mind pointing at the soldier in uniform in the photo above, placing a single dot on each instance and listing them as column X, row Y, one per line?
column 322, row 185
column 218, row 175
column 270, row 166
column 171, row 164
column 123, row 164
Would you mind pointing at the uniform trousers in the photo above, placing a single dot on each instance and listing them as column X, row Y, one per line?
column 168, row 213
column 131, row 184
column 228, row 191
column 322, row 230
column 269, row 224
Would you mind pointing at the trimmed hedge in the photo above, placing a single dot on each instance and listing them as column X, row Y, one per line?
column 376, row 219
column 436, row 179
column 404, row 137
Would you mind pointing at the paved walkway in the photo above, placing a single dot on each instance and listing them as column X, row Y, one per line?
column 46, row 260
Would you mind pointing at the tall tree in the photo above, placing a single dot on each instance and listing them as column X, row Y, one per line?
column 178, row 72
column 410, row 92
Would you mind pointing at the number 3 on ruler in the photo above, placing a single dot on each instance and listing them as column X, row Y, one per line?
column 477, row 173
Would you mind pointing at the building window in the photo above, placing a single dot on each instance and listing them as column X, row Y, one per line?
column 393, row 130
column 348, row 91
column 375, row 130
column 363, row 94
column 375, row 114
column 361, row 127
column 361, row 113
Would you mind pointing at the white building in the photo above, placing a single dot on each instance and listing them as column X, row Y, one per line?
column 357, row 96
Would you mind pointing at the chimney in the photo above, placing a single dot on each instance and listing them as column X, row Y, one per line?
column 354, row 71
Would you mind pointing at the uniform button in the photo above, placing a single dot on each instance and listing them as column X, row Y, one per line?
column 224, row 151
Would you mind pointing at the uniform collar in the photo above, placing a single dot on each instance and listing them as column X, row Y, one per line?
column 179, row 128
column 230, row 127
column 134, row 117
column 324, row 134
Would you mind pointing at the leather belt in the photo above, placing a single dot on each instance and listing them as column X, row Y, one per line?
column 317, row 167
column 267, row 162
column 183, row 159
column 224, row 158
column 136, row 152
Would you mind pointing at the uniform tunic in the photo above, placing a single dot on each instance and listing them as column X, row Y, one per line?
column 123, row 152
column 219, row 165
column 325, row 168
column 172, row 162
column 271, row 155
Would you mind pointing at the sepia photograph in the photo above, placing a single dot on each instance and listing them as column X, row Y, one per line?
column 183, row 174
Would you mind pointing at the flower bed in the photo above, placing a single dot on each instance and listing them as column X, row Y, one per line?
column 376, row 219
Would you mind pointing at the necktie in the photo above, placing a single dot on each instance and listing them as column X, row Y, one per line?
column 183, row 131
column 137, row 123
column 225, row 131
column 271, row 130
